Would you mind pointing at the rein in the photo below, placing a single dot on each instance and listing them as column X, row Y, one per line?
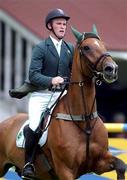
column 87, row 117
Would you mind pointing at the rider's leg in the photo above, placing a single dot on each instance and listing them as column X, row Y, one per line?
column 37, row 105
column 35, row 109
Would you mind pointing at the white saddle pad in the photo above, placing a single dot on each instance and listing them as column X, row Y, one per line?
column 20, row 139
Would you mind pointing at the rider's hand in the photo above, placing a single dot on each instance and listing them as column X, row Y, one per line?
column 57, row 80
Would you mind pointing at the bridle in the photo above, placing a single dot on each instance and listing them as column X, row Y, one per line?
column 93, row 69
column 93, row 66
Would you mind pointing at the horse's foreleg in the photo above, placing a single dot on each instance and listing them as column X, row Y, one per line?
column 62, row 171
column 120, row 168
column 65, row 175
column 109, row 163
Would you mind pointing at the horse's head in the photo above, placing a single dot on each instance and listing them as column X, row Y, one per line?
column 94, row 55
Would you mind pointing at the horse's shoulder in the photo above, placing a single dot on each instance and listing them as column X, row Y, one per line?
column 18, row 116
column 22, row 115
column 15, row 120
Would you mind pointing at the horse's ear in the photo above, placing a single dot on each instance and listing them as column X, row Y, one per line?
column 79, row 36
column 94, row 29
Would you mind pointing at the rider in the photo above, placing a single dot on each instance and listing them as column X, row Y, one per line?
column 51, row 62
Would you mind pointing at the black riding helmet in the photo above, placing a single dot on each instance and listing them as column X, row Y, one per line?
column 56, row 13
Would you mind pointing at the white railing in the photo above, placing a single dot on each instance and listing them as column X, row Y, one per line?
column 13, row 77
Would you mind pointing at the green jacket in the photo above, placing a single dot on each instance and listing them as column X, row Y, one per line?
column 46, row 63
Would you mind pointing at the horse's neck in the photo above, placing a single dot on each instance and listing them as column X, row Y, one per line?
column 81, row 99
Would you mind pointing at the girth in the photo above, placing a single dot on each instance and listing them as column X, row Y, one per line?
column 69, row 117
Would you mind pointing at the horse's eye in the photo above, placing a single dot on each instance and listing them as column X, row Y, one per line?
column 86, row 48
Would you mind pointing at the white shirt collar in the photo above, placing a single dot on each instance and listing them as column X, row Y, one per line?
column 55, row 41
column 57, row 44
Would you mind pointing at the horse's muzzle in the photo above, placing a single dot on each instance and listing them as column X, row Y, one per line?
column 110, row 73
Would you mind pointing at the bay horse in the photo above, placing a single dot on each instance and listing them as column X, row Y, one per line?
column 77, row 140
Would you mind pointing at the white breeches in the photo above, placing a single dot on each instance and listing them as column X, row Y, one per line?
column 37, row 104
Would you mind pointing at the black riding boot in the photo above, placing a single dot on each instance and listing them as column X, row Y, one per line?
column 31, row 142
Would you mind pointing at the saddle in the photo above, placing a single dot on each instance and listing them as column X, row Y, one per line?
column 23, row 90
column 28, row 87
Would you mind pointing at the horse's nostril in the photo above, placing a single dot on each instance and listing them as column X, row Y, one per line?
column 108, row 69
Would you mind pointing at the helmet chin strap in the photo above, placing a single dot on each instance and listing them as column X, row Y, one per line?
column 51, row 29
column 56, row 35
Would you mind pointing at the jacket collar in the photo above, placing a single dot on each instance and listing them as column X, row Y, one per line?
column 51, row 47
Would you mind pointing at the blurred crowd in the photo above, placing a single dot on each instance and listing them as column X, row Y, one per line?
column 112, row 105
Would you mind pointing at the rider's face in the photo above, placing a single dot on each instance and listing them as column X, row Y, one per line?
column 59, row 27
